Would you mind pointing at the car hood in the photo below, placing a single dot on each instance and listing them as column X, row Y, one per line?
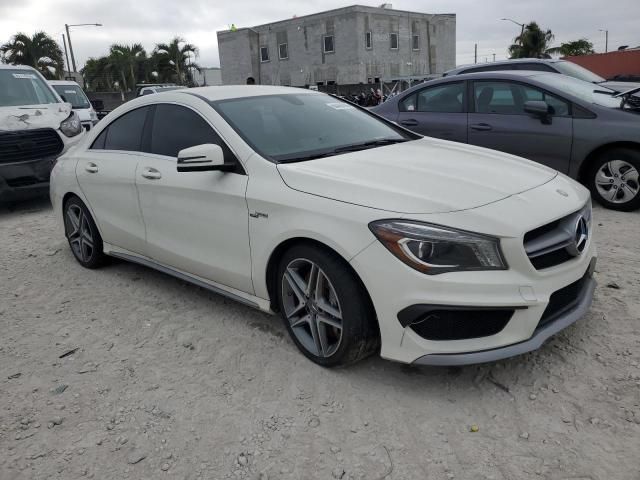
column 620, row 86
column 421, row 176
column 33, row 116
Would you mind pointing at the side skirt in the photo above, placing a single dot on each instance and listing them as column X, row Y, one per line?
column 252, row 301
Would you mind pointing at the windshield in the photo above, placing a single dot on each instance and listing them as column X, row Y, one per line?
column 73, row 94
column 295, row 127
column 585, row 91
column 22, row 88
column 576, row 71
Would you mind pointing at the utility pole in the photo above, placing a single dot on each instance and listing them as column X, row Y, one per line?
column 73, row 59
column 606, row 39
column 475, row 53
column 66, row 54
column 494, row 57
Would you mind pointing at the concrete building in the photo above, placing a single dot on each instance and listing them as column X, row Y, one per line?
column 207, row 76
column 345, row 46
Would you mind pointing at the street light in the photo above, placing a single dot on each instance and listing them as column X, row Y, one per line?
column 606, row 39
column 517, row 23
column 73, row 60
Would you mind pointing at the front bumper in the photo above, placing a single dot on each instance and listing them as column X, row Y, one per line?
column 23, row 180
column 539, row 337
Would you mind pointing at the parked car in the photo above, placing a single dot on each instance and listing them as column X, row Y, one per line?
column 35, row 127
column 148, row 90
column 575, row 127
column 563, row 67
column 71, row 92
column 359, row 232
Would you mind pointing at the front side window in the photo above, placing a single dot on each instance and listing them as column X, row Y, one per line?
column 72, row 94
column 124, row 133
column 367, row 40
column 393, row 40
column 328, row 44
column 508, row 98
column 24, row 87
column 296, row 127
column 442, row 98
column 283, row 51
column 176, row 128
column 264, row 54
column 415, row 42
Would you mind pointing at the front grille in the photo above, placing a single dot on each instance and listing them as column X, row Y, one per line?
column 461, row 324
column 555, row 243
column 22, row 181
column 29, row 145
column 561, row 301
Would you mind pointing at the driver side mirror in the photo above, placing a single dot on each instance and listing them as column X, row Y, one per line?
column 539, row 109
column 203, row 158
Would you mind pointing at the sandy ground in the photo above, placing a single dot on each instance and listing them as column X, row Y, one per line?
column 166, row 380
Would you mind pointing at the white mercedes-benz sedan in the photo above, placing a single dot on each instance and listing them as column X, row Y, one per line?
column 365, row 237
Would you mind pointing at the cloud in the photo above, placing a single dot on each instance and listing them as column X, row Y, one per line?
column 149, row 22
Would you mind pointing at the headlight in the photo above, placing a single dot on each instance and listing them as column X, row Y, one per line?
column 71, row 126
column 433, row 249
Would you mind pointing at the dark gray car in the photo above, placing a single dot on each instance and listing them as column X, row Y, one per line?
column 550, row 65
column 583, row 130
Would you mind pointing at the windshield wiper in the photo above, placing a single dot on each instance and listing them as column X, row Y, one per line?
column 347, row 148
column 372, row 144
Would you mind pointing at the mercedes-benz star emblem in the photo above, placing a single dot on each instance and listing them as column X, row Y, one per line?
column 580, row 238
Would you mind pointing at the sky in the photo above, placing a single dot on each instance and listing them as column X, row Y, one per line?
column 151, row 21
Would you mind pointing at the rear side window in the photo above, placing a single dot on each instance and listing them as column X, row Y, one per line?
column 538, row 67
column 124, row 133
column 491, row 68
column 447, row 98
column 176, row 128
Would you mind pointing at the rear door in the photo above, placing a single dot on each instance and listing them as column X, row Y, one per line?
column 106, row 174
column 498, row 121
column 437, row 111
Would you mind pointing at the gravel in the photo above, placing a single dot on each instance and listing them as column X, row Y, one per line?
column 169, row 376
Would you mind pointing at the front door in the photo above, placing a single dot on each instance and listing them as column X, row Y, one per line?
column 438, row 111
column 107, row 178
column 196, row 222
column 498, row 121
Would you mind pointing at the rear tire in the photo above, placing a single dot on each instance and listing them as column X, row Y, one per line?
column 82, row 234
column 325, row 308
column 613, row 179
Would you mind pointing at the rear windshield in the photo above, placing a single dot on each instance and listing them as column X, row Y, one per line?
column 72, row 94
column 24, row 87
column 576, row 71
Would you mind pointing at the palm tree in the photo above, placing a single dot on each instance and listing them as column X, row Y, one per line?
column 532, row 43
column 99, row 74
column 174, row 58
column 39, row 51
column 569, row 49
column 127, row 59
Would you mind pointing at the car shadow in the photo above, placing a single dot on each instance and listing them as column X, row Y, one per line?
column 33, row 205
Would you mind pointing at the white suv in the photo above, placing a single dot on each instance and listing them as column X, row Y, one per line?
column 71, row 92
column 359, row 232
column 35, row 127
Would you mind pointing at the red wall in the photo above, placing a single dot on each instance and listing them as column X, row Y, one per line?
column 610, row 64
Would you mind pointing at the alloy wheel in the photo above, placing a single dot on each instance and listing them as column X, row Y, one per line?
column 79, row 233
column 311, row 307
column 617, row 181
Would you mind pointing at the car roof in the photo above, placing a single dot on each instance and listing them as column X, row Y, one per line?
column 502, row 62
column 63, row 82
column 16, row 67
column 224, row 92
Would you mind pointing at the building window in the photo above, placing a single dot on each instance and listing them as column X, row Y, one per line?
column 415, row 42
column 264, row 54
column 367, row 40
column 283, row 51
column 393, row 41
column 328, row 44
column 369, row 79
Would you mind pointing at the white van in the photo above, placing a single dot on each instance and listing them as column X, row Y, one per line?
column 71, row 92
column 35, row 128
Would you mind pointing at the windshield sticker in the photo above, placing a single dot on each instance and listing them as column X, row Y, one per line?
column 340, row 106
column 29, row 76
column 72, row 92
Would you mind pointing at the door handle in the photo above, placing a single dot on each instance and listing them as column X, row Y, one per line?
column 480, row 126
column 91, row 167
column 409, row 123
column 151, row 173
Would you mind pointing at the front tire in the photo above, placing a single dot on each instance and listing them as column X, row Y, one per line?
column 613, row 179
column 82, row 234
column 324, row 307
